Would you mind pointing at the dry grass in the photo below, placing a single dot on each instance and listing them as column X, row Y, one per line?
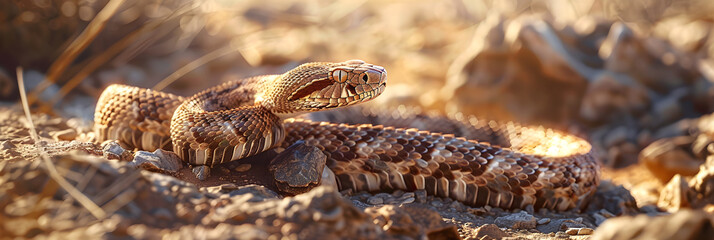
column 83, row 200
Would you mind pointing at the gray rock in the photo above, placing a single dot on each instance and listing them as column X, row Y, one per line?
column 520, row 220
column 201, row 172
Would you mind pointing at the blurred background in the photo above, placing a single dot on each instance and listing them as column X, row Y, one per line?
column 621, row 73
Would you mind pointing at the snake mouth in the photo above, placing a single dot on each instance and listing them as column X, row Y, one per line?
column 343, row 95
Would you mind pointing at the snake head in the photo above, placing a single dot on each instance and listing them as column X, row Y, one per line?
column 320, row 86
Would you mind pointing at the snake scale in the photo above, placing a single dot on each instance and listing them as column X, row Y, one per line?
column 482, row 163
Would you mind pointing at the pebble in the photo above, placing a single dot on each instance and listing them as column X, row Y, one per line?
column 606, row 213
column 242, row 167
column 579, row 231
column 201, row 172
column 530, row 209
column 375, row 200
column 420, row 195
column 684, row 224
column 543, row 221
column 112, row 150
column 64, row 135
column 599, row 219
column 520, row 220
column 328, row 178
column 489, row 231
column 674, row 195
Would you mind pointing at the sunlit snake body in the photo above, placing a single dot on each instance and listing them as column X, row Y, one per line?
column 540, row 167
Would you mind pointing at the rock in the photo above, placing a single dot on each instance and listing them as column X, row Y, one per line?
column 168, row 161
column 415, row 220
column 420, row 196
column 684, row 224
column 613, row 198
column 328, row 178
column 242, row 167
column 543, row 221
column 64, row 135
column 674, row 195
column 489, row 231
column 571, row 223
column 702, row 185
column 599, row 219
column 375, row 200
column 112, row 150
column 579, row 231
column 159, row 160
column 670, row 156
column 520, row 220
column 202, row 172
column 298, row 168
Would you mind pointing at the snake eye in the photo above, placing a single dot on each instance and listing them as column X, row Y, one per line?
column 339, row 75
column 365, row 78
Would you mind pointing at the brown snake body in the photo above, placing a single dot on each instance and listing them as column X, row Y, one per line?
column 540, row 167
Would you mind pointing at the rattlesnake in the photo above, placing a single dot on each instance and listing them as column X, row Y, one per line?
column 538, row 166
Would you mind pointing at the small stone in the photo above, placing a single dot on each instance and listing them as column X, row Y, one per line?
column 489, row 230
column 674, row 195
column 298, row 168
column 530, row 209
column 579, row 231
column 328, row 178
column 375, row 200
column 169, row 161
column 242, row 167
column 437, row 203
column 520, row 220
column 702, row 184
column 159, row 160
column 408, row 200
column 64, row 135
column 543, row 221
column 683, row 224
column 112, row 150
column 420, row 195
column 606, row 213
column 456, row 206
column 599, row 219
column 571, row 223
column 202, row 172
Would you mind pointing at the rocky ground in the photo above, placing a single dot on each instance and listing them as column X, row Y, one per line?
column 635, row 80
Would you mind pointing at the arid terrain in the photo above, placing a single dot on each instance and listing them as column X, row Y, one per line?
column 633, row 78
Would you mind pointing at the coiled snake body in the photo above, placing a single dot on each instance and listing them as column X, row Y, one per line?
column 241, row 118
